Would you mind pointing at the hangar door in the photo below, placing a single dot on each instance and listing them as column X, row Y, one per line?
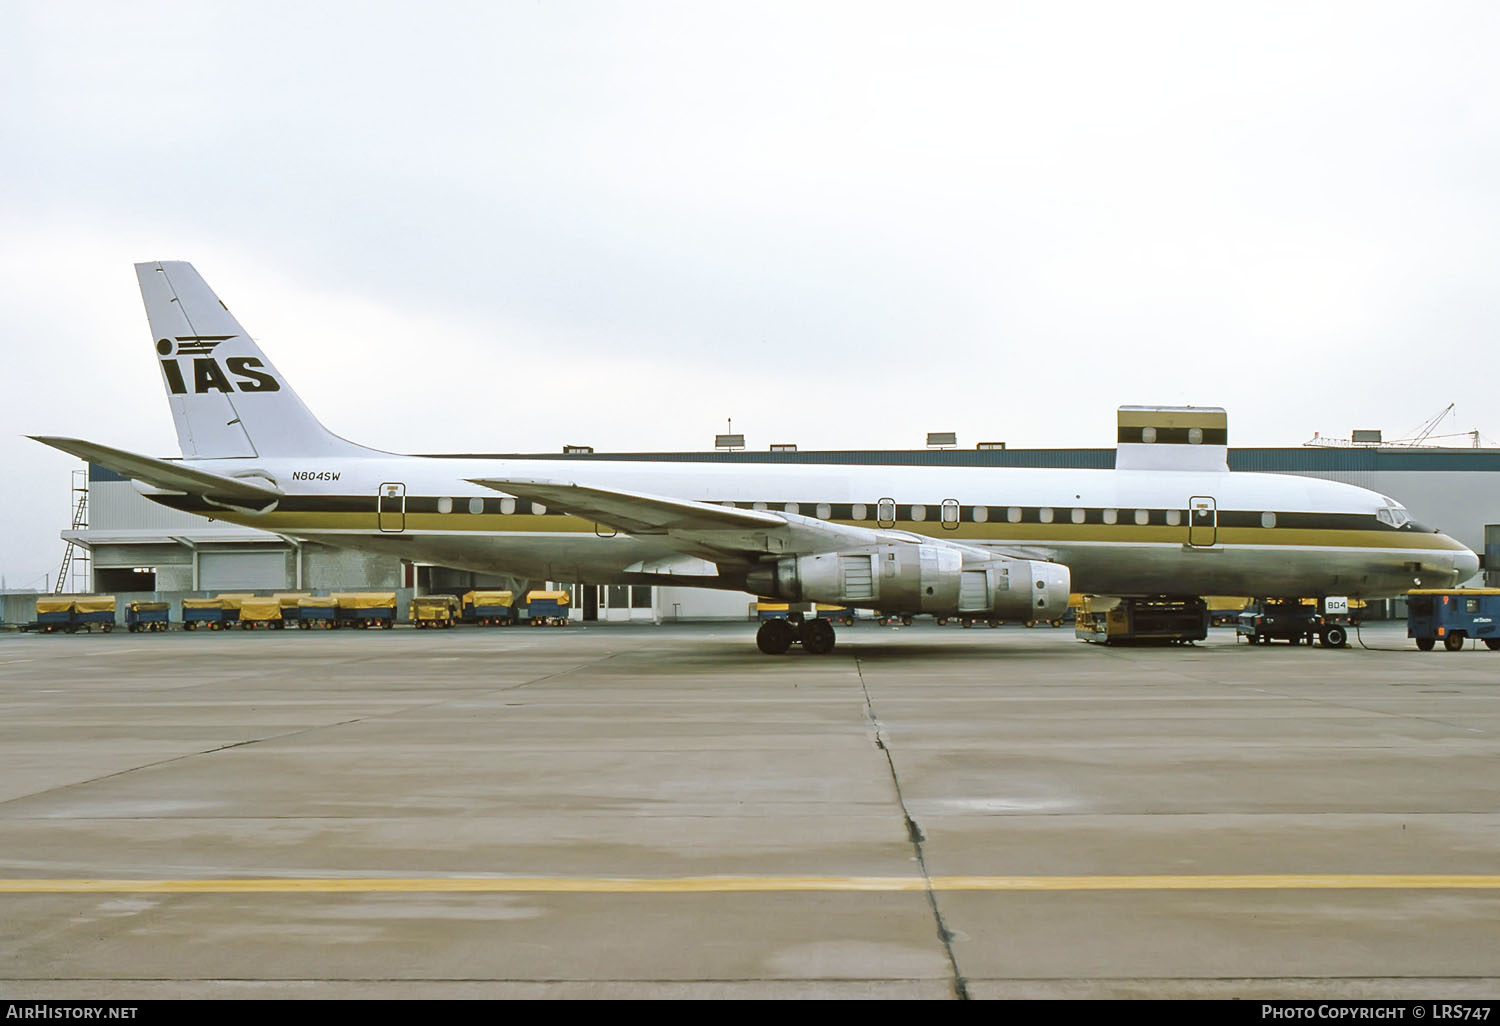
column 251, row 571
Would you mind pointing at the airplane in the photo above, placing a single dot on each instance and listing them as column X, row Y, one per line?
column 980, row 542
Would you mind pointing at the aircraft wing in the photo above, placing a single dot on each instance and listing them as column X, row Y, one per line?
column 706, row 529
column 635, row 512
column 725, row 533
column 165, row 474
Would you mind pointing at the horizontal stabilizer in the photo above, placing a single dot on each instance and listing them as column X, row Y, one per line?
column 166, row 474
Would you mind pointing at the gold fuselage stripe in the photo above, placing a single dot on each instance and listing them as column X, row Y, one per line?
column 765, row 884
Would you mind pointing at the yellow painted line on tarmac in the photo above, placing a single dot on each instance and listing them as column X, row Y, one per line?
column 747, row 884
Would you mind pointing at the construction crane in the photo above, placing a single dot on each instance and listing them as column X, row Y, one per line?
column 1422, row 435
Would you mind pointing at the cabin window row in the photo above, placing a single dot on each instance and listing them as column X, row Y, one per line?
column 947, row 513
column 476, row 506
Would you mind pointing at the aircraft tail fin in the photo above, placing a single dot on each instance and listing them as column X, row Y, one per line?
column 227, row 398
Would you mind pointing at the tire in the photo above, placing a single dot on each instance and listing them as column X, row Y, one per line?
column 1335, row 637
column 817, row 637
column 1454, row 642
column 774, row 637
column 1425, row 644
column 1493, row 644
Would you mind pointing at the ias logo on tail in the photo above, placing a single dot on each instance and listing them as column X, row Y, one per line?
column 208, row 376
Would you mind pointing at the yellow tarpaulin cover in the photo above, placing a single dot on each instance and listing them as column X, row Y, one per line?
column 233, row 600
column 430, row 607
column 289, row 599
column 489, row 598
column 203, row 603
column 562, row 597
column 54, row 605
column 142, row 607
column 260, row 609
column 366, row 600
column 316, row 602
column 94, row 604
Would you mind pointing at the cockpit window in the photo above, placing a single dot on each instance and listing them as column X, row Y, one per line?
column 1393, row 513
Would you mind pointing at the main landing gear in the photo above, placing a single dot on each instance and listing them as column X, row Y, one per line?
column 776, row 636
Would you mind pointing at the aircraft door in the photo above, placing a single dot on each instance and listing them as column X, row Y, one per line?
column 1203, row 521
column 390, row 507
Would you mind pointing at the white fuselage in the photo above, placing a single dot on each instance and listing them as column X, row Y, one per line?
column 1255, row 534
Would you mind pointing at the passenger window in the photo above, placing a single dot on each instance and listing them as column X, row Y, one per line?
column 1268, row 520
column 538, row 509
column 1143, row 516
column 859, row 512
column 981, row 514
column 476, row 505
column 1045, row 514
column 1174, row 517
column 445, row 505
column 885, row 513
column 1013, row 514
column 507, row 506
column 1111, row 516
column 791, row 507
column 1078, row 516
column 950, row 514
column 824, row 511
column 919, row 513
column 758, row 505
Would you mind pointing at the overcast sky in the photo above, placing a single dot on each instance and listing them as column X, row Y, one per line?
column 508, row 226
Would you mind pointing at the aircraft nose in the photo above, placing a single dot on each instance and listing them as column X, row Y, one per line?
column 1465, row 565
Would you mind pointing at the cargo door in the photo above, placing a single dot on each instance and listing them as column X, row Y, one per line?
column 1203, row 521
column 390, row 507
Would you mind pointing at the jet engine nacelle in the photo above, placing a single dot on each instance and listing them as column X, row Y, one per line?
column 908, row 577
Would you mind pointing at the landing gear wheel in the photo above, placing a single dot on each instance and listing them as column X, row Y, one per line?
column 817, row 637
column 1425, row 644
column 1335, row 637
column 1454, row 642
column 775, row 637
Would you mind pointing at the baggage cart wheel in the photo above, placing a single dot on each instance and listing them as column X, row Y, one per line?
column 1493, row 644
column 1454, row 642
column 1425, row 644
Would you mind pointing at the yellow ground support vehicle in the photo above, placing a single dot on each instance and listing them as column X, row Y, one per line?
column 207, row 613
column 230, row 602
column 547, row 608
column 769, row 609
column 489, row 608
column 290, row 610
column 434, row 610
column 147, row 616
column 317, row 611
column 366, row 609
column 54, row 614
column 1164, row 619
column 260, row 611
